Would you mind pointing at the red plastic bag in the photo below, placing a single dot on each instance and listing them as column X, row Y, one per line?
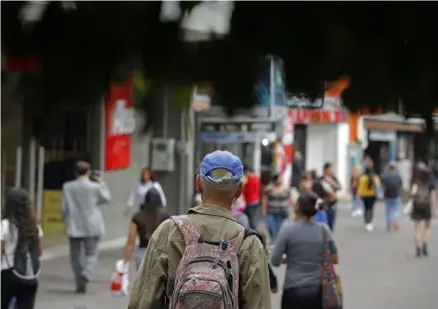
column 116, row 284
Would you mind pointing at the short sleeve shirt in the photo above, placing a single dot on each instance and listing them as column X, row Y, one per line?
column 9, row 236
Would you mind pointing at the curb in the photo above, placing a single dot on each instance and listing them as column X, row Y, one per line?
column 64, row 250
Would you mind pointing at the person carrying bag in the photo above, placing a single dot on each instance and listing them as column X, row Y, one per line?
column 332, row 292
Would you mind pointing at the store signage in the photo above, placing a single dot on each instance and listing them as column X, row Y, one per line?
column 123, row 120
column 234, row 132
column 303, row 116
column 120, row 124
column 304, row 102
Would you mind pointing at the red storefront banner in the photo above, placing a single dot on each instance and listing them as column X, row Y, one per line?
column 305, row 116
column 120, row 124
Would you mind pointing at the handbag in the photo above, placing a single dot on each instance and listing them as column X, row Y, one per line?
column 331, row 284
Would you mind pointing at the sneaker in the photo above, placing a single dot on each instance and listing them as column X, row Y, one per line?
column 425, row 251
column 369, row 227
column 418, row 252
column 359, row 212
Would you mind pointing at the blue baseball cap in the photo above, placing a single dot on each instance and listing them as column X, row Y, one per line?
column 221, row 160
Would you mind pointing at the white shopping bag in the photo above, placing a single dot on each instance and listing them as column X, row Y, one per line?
column 122, row 270
column 408, row 208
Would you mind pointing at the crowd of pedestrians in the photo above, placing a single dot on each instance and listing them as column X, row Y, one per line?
column 217, row 254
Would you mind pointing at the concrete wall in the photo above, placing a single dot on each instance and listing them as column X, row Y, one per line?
column 177, row 185
column 328, row 143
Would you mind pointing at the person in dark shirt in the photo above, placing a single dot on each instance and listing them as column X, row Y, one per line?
column 392, row 188
column 424, row 197
column 326, row 187
column 143, row 224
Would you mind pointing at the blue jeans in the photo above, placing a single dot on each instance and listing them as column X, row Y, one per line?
column 356, row 203
column 331, row 217
column 392, row 210
column 274, row 222
column 252, row 212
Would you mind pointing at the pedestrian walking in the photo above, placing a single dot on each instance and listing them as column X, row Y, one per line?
column 82, row 200
column 148, row 180
column 356, row 204
column 21, row 243
column 205, row 244
column 297, row 169
column 326, row 187
column 423, row 207
column 143, row 225
column 392, row 186
column 303, row 242
column 276, row 204
column 367, row 192
column 306, row 187
column 252, row 194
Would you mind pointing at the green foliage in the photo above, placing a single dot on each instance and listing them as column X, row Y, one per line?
column 387, row 48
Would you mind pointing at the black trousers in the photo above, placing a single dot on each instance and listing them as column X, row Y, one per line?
column 12, row 287
column 302, row 298
column 368, row 205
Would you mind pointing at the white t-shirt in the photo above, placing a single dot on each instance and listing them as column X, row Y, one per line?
column 10, row 242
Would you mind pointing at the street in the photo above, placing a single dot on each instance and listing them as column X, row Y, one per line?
column 378, row 271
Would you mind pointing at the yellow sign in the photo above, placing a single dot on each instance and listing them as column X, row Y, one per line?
column 52, row 220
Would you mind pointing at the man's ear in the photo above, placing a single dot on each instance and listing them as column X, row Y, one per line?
column 239, row 190
column 199, row 184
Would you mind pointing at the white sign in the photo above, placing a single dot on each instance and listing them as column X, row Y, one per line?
column 123, row 120
column 383, row 136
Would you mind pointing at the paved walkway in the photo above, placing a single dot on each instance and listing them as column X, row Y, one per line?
column 378, row 270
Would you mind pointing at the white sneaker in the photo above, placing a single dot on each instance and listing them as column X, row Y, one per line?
column 359, row 212
column 369, row 227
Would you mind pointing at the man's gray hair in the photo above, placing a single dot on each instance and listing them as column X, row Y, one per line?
column 225, row 182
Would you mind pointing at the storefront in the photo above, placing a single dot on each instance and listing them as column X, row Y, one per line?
column 321, row 135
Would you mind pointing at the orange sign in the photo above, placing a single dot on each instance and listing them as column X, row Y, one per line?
column 336, row 88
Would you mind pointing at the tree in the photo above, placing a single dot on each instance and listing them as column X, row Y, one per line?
column 386, row 48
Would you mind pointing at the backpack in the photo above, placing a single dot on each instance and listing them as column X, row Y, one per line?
column 208, row 273
column 422, row 197
column 27, row 266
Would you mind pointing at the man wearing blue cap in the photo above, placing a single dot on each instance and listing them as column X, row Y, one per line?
column 219, row 183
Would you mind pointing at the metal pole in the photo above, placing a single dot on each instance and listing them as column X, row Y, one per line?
column 32, row 155
column 40, row 183
column 257, row 154
column 272, row 88
column 4, row 165
column 18, row 166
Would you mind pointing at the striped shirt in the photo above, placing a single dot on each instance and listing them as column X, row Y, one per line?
column 278, row 202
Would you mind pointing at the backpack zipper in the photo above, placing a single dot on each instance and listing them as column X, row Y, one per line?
column 204, row 279
column 228, row 272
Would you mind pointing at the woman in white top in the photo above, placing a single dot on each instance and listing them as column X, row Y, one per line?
column 18, row 227
column 148, row 179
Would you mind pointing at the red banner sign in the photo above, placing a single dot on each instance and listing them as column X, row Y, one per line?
column 120, row 124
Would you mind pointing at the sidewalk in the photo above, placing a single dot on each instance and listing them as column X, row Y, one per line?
column 56, row 289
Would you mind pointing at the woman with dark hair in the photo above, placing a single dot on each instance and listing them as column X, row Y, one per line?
column 424, row 197
column 19, row 234
column 143, row 224
column 148, row 180
column 276, row 203
column 304, row 243
column 367, row 191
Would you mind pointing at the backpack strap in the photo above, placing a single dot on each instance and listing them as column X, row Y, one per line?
column 235, row 243
column 187, row 229
column 251, row 232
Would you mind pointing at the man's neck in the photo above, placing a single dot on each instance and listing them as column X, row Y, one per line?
column 223, row 204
